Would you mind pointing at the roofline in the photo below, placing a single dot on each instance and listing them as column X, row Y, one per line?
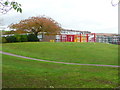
column 74, row 30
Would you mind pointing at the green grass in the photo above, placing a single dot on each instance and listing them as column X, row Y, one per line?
column 87, row 53
column 24, row 73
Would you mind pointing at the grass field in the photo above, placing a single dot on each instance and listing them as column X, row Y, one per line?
column 24, row 73
column 87, row 53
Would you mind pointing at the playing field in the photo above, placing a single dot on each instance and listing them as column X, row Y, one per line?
column 25, row 73
column 92, row 53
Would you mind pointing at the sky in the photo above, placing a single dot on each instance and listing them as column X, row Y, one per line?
column 96, row 16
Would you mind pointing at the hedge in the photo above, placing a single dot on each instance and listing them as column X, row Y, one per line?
column 11, row 39
column 20, row 38
column 32, row 38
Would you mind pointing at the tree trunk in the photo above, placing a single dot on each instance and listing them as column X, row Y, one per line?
column 36, row 33
column 42, row 36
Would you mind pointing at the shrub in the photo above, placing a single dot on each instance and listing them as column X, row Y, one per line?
column 24, row 38
column 18, row 38
column 21, row 38
column 3, row 40
column 0, row 39
column 32, row 38
column 11, row 39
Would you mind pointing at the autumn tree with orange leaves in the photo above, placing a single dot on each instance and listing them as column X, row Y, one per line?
column 37, row 24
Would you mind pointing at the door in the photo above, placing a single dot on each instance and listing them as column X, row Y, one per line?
column 70, row 38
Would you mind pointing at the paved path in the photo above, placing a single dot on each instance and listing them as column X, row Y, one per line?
column 56, row 61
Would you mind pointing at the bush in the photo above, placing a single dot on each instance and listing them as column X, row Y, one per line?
column 18, row 38
column 32, row 38
column 4, row 40
column 21, row 38
column 24, row 38
column 11, row 39
column 0, row 39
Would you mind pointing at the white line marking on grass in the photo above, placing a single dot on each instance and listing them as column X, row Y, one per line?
column 55, row 61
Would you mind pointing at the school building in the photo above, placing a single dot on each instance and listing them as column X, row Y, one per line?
column 67, row 35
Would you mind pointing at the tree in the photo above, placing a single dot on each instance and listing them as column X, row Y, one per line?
column 37, row 24
column 6, row 6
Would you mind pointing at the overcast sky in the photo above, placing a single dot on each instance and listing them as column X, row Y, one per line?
column 97, row 16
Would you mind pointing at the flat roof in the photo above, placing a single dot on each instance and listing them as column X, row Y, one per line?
column 74, row 30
